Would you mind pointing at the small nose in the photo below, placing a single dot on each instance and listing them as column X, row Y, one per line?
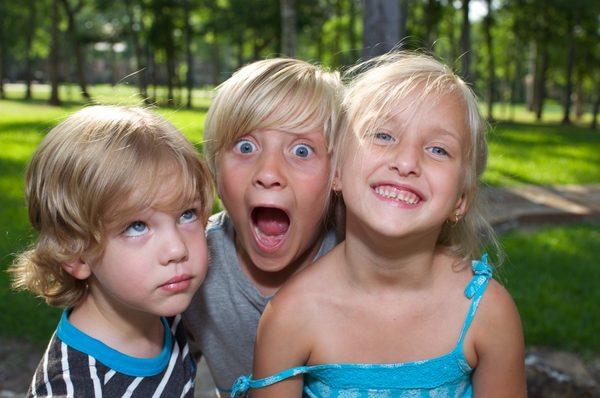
column 406, row 160
column 270, row 171
column 173, row 248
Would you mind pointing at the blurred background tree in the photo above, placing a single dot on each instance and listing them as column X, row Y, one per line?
column 512, row 51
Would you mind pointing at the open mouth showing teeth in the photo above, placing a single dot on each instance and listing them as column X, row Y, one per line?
column 400, row 195
column 270, row 226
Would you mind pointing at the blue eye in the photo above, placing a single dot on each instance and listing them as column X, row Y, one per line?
column 382, row 137
column 136, row 228
column 188, row 216
column 302, row 150
column 245, row 146
column 436, row 150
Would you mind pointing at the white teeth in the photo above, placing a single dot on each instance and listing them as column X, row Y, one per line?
column 398, row 194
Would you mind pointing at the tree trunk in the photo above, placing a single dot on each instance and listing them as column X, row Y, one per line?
column 465, row 41
column 54, row 56
column 189, row 79
column 403, row 33
column 2, row 57
column 289, row 41
column 431, row 22
column 77, row 49
column 579, row 96
column 596, row 107
column 216, row 72
column 352, row 28
column 491, row 68
column 137, row 50
column 540, row 82
column 381, row 27
column 28, row 42
column 569, row 72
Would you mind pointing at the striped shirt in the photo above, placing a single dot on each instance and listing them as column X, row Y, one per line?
column 77, row 365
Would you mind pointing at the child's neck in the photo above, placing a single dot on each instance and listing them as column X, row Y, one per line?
column 378, row 263
column 138, row 335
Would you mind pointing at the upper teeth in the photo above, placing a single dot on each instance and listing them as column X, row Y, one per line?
column 395, row 193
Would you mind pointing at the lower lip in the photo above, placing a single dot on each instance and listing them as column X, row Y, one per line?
column 176, row 287
column 397, row 203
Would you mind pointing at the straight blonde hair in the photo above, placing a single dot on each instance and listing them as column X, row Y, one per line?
column 281, row 94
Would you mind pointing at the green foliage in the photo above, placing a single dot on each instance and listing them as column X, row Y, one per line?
column 552, row 275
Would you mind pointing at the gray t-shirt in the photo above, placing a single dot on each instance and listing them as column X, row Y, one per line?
column 223, row 316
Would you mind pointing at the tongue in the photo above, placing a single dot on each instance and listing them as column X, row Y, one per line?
column 271, row 221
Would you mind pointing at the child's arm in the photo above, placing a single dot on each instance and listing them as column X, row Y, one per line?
column 282, row 342
column 500, row 347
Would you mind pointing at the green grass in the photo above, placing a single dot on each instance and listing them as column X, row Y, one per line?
column 542, row 154
column 553, row 276
column 520, row 153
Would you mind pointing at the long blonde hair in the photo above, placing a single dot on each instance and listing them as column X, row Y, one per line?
column 375, row 88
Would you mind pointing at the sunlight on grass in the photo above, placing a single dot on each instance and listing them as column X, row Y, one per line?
column 552, row 275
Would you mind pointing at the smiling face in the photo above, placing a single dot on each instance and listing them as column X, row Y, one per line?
column 275, row 187
column 152, row 262
column 408, row 175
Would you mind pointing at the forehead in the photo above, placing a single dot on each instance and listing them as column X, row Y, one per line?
column 446, row 113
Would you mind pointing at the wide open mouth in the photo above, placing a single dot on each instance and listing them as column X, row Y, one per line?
column 270, row 226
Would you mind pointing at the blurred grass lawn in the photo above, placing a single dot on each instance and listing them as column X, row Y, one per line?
column 549, row 272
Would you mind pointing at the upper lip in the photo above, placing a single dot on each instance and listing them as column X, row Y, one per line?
column 402, row 187
column 176, row 279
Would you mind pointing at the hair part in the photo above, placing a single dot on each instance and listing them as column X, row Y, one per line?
column 384, row 82
column 99, row 165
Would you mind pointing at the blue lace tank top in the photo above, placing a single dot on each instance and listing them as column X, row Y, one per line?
column 448, row 375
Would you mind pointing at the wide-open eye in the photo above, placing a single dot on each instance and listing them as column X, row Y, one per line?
column 188, row 216
column 136, row 228
column 244, row 146
column 302, row 150
column 439, row 151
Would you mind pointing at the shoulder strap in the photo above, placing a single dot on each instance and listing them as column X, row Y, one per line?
column 482, row 273
column 244, row 383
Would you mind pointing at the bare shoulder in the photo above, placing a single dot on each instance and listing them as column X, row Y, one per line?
column 499, row 344
column 289, row 325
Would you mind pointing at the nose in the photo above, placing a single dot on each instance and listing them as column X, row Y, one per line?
column 406, row 160
column 270, row 171
column 173, row 248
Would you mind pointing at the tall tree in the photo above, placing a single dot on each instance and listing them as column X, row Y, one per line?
column 29, row 33
column 381, row 26
column 465, row 41
column 135, row 27
column 289, row 41
column 189, row 80
column 491, row 67
column 2, row 48
column 76, row 42
column 54, row 56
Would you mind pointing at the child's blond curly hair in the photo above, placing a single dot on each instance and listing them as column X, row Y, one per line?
column 95, row 167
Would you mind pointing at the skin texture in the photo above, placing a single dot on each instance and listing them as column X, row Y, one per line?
column 131, row 283
column 389, row 294
column 276, row 169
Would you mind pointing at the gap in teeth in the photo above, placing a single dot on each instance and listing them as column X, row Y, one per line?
column 398, row 194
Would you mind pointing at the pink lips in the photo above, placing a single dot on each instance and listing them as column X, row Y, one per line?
column 177, row 283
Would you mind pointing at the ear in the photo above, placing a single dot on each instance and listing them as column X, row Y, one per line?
column 78, row 269
column 462, row 205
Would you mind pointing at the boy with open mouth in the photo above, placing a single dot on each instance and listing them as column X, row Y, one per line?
column 268, row 139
